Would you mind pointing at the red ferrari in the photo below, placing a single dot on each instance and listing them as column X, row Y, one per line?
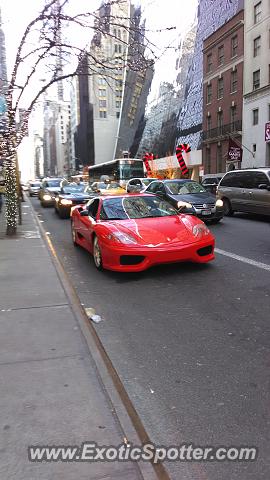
column 130, row 233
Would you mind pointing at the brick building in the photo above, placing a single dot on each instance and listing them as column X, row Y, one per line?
column 223, row 54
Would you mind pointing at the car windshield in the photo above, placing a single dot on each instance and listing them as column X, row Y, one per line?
column 73, row 188
column 147, row 181
column 53, row 183
column 184, row 188
column 99, row 186
column 122, row 208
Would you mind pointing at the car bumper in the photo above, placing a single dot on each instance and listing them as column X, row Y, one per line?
column 120, row 258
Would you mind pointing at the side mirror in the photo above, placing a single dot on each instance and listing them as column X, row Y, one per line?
column 264, row 186
column 84, row 213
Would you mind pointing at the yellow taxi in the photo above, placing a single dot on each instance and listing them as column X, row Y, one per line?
column 112, row 188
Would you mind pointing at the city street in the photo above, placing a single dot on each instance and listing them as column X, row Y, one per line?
column 191, row 343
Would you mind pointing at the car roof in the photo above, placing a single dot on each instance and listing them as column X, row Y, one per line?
column 165, row 180
column 259, row 169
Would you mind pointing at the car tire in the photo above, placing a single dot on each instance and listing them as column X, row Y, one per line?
column 97, row 254
column 74, row 236
column 62, row 215
column 215, row 221
column 228, row 211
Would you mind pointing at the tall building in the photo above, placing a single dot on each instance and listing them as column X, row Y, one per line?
column 3, row 77
column 119, row 82
column 160, row 131
column 256, row 105
column 223, row 56
column 211, row 15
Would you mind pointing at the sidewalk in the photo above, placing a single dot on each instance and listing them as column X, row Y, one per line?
column 51, row 393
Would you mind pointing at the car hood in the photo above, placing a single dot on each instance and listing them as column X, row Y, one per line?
column 154, row 232
column 75, row 196
column 204, row 197
column 53, row 189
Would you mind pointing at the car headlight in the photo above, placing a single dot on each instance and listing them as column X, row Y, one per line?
column 47, row 197
column 64, row 201
column 219, row 203
column 121, row 238
column 200, row 230
column 184, row 205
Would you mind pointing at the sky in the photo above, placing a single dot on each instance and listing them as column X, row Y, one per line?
column 159, row 15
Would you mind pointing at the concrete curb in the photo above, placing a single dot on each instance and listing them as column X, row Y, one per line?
column 122, row 407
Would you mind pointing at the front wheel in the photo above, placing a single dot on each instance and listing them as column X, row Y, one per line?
column 97, row 254
column 227, row 207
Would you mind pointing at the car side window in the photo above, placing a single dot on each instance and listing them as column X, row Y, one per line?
column 259, row 178
column 152, row 188
column 160, row 187
column 93, row 208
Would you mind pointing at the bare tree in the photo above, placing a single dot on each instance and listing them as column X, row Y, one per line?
column 48, row 50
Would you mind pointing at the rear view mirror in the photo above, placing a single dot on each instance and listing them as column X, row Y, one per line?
column 84, row 213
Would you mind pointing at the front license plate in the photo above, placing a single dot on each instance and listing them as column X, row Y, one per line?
column 206, row 212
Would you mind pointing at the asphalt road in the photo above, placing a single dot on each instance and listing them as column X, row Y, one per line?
column 191, row 343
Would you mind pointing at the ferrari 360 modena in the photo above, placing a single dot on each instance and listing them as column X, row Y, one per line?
column 130, row 233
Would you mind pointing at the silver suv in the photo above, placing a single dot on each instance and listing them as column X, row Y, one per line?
column 246, row 191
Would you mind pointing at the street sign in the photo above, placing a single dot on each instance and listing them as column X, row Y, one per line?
column 234, row 151
column 267, row 132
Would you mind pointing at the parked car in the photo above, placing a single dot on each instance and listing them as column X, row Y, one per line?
column 211, row 181
column 132, row 233
column 70, row 195
column 34, row 188
column 25, row 186
column 246, row 191
column 190, row 197
column 48, row 190
column 138, row 184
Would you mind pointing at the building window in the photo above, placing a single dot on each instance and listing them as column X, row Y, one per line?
column 209, row 63
column 254, row 147
column 102, row 114
column 220, row 88
column 219, row 159
column 208, row 123
column 256, row 80
column 233, row 117
column 117, row 104
column 221, row 55
column 255, row 116
column 234, row 81
column 101, row 81
column 208, row 160
column 118, row 93
column 102, row 92
column 256, row 46
column 257, row 12
column 102, row 103
column 208, row 93
column 234, row 46
column 220, row 122
column 118, row 48
column 119, row 83
column 117, row 114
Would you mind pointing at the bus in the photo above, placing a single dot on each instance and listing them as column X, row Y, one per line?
column 120, row 170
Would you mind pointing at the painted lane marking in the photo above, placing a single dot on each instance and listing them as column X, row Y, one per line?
column 263, row 266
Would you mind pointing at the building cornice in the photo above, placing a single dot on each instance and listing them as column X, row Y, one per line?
column 260, row 92
column 223, row 69
column 226, row 34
